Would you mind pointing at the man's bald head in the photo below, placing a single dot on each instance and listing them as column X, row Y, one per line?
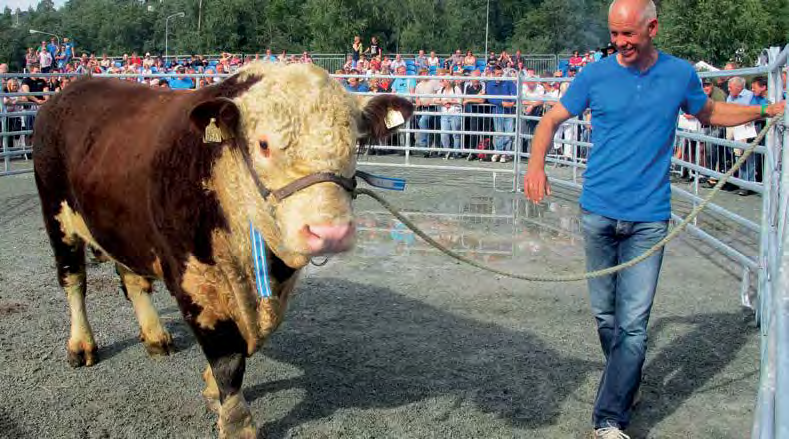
column 642, row 10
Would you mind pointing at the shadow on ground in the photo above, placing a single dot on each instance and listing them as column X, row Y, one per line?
column 366, row 347
column 688, row 363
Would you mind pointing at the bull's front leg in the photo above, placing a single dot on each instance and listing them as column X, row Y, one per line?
column 225, row 349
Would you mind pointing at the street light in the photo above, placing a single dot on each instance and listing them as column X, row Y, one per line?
column 166, row 30
column 487, row 16
column 33, row 31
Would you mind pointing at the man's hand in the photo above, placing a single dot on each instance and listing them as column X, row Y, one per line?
column 535, row 184
column 776, row 109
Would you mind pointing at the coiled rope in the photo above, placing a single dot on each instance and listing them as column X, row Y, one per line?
column 590, row 274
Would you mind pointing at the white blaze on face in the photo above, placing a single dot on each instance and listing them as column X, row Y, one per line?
column 299, row 121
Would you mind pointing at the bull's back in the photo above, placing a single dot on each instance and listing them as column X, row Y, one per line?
column 95, row 145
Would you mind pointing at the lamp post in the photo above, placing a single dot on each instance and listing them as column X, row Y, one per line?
column 487, row 18
column 167, row 30
column 33, row 31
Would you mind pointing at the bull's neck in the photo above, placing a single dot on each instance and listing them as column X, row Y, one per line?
column 244, row 207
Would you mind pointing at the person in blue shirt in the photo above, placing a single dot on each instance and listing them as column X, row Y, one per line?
column 635, row 97
column 502, row 106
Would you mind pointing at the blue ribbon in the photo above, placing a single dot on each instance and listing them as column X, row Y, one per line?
column 261, row 265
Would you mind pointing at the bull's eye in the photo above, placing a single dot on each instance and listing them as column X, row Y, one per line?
column 263, row 145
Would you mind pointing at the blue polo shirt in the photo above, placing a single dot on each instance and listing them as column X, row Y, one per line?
column 501, row 88
column 403, row 85
column 634, row 120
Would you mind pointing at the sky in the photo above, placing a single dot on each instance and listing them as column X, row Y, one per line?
column 24, row 4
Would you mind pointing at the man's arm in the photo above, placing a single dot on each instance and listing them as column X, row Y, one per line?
column 727, row 114
column 535, row 182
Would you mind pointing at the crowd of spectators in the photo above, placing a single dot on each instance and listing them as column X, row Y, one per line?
column 454, row 103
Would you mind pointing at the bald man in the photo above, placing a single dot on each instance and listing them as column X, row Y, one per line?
column 635, row 98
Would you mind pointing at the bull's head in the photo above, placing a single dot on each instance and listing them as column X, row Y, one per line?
column 293, row 122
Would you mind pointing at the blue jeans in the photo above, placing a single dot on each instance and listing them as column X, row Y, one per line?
column 450, row 123
column 501, row 125
column 621, row 304
column 424, row 124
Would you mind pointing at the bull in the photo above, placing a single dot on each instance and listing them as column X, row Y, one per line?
column 223, row 193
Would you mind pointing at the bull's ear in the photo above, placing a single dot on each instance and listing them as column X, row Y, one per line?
column 384, row 114
column 216, row 119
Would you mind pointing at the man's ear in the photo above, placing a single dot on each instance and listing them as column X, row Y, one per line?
column 216, row 120
column 383, row 115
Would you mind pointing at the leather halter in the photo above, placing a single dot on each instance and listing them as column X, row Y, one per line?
column 349, row 184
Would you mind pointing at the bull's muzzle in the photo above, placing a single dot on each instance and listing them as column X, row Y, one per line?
column 329, row 239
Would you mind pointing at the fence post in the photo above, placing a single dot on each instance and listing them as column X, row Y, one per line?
column 516, row 143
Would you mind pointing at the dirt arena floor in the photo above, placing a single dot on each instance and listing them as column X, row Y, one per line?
column 392, row 340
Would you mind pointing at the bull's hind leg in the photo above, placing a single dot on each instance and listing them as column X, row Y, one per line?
column 138, row 290
column 70, row 260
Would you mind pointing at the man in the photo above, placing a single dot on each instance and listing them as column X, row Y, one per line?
column 635, row 98
column 759, row 89
column 3, row 70
column 740, row 95
column 472, row 106
column 421, row 60
column 426, row 86
column 505, row 108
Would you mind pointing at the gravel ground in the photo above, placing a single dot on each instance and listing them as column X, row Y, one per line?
column 392, row 340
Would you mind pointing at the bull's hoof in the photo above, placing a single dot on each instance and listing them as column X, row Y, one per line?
column 82, row 357
column 160, row 345
column 235, row 419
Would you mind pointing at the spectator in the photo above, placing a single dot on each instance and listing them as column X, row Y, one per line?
column 505, row 108
column 362, row 65
column 504, row 60
column 403, row 85
column 69, row 49
column 493, row 60
column 45, row 59
column 421, row 60
column 376, row 64
column 470, row 60
column 518, row 59
column 532, row 94
column 386, row 65
column 31, row 59
column 305, row 58
column 450, row 116
column 471, row 105
column 356, row 86
column 397, row 63
column 12, row 105
column 738, row 94
column 181, row 82
column 374, row 49
column 356, row 48
column 433, row 60
column 426, row 86
column 759, row 89
column 3, row 70
column 349, row 63
column 576, row 62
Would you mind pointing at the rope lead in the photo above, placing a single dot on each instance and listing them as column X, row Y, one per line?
column 586, row 275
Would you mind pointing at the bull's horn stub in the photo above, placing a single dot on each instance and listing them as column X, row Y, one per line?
column 393, row 118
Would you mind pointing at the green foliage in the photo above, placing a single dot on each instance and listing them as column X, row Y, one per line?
column 715, row 30
column 712, row 30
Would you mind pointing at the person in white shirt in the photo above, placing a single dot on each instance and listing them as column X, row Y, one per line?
column 450, row 116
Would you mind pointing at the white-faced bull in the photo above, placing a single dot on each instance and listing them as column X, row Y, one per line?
column 173, row 185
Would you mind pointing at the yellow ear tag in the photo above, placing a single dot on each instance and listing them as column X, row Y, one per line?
column 212, row 133
column 393, row 118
